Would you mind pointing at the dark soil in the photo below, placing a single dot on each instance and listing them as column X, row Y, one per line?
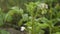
column 13, row 31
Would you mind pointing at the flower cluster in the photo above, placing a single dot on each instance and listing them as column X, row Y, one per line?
column 43, row 6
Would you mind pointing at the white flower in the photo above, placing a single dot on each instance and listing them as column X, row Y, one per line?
column 30, row 27
column 22, row 28
column 42, row 6
column 14, row 7
column 25, row 17
column 36, row 19
column 46, row 6
column 30, row 17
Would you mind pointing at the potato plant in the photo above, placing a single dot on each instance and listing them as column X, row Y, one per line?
column 37, row 17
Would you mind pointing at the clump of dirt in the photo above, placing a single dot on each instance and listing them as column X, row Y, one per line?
column 13, row 31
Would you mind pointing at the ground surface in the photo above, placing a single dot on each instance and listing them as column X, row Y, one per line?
column 13, row 31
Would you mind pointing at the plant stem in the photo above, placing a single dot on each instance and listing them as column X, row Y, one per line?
column 50, row 19
column 33, row 32
column 32, row 25
column 50, row 30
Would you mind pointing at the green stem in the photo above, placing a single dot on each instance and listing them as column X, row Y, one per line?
column 50, row 19
column 33, row 32
column 50, row 30
column 33, row 25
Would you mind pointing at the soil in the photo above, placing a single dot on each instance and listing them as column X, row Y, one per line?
column 13, row 31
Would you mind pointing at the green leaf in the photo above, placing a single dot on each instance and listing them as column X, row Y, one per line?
column 4, row 32
column 1, row 20
column 25, row 17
